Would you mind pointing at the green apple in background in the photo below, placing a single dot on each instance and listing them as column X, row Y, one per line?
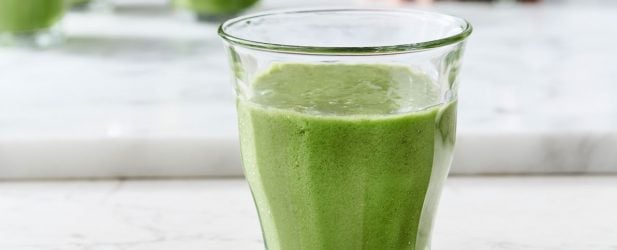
column 23, row 16
column 214, row 9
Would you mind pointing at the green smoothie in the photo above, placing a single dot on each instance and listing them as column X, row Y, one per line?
column 23, row 16
column 345, row 156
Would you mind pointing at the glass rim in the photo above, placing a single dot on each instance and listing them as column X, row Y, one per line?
column 466, row 30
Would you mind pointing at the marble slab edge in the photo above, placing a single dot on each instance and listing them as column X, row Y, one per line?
column 476, row 154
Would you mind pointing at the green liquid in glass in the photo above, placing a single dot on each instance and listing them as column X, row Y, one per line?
column 332, row 161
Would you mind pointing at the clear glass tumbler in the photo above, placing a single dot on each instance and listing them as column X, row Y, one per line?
column 30, row 22
column 347, row 122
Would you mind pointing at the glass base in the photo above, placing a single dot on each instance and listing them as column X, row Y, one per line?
column 33, row 39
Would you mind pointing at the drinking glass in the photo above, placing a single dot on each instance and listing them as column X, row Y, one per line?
column 347, row 122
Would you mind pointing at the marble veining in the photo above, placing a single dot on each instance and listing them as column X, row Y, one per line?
column 479, row 213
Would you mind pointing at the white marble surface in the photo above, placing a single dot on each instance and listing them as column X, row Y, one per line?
column 143, row 93
column 479, row 213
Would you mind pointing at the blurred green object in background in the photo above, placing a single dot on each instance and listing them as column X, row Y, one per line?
column 90, row 5
column 213, row 10
column 78, row 3
column 28, row 16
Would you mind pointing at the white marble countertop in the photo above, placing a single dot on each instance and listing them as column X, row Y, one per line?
column 480, row 213
column 143, row 93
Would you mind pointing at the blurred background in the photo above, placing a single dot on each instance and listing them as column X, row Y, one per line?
column 98, row 95
column 140, row 88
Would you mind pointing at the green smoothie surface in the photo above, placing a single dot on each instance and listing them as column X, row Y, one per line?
column 344, row 89
column 20, row 16
column 345, row 156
